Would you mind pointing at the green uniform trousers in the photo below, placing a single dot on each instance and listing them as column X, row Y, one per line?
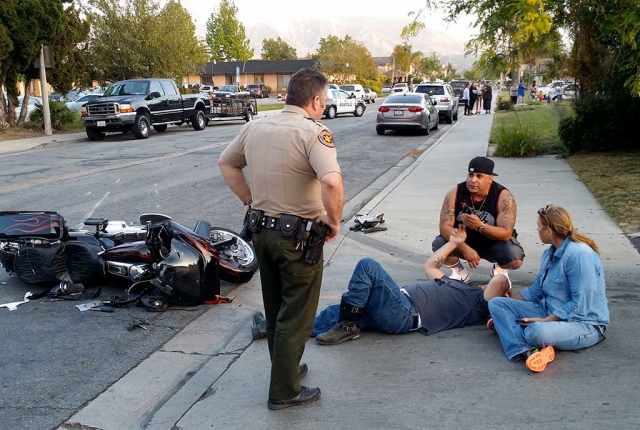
column 290, row 292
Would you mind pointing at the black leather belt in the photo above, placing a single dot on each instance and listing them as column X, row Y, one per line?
column 271, row 223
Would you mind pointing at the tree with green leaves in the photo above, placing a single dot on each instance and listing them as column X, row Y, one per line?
column 226, row 36
column 277, row 49
column 26, row 25
column 431, row 65
column 138, row 38
column 401, row 56
column 342, row 58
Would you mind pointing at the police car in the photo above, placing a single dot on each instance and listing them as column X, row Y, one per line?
column 339, row 102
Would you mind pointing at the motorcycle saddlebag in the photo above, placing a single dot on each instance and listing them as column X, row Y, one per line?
column 42, row 225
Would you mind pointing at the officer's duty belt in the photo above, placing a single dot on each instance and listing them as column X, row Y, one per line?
column 271, row 223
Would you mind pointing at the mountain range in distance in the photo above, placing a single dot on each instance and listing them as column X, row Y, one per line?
column 378, row 35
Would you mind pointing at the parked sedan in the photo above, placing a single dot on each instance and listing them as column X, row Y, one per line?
column 77, row 104
column 32, row 104
column 407, row 111
column 386, row 89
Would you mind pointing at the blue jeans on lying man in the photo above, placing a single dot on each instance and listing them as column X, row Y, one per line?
column 387, row 309
column 516, row 339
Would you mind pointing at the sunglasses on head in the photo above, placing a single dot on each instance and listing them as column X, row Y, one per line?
column 543, row 211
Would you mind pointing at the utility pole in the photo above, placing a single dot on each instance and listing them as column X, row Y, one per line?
column 45, row 94
column 393, row 73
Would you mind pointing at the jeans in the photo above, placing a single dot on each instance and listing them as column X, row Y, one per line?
column 515, row 339
column 387, row 309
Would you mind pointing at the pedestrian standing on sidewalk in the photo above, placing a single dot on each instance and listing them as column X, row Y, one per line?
column 486, row 98
column 374, row 300
column 566, row 307
column 465, row 99
column 488, row 210
column 473, row 95
column 478, row 97
column 294, row 176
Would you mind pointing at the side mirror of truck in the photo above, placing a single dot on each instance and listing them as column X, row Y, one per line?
column 153, row 95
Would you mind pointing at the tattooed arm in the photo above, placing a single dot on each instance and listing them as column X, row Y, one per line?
column 506, row 219
column 448, row 213
column 435, row 262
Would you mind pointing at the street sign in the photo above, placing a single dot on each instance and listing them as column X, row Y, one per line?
column 48, row 58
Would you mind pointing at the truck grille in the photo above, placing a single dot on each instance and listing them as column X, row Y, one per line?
column 103, row 109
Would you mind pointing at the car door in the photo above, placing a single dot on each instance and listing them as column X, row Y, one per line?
column 158, row 106
column 347, row 104
column 174, row 105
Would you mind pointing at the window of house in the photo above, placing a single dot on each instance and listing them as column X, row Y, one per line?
column 283, row 79
column 258, row 78
column 206, row 80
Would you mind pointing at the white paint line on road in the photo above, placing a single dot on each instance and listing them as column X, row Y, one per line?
column 93, row 209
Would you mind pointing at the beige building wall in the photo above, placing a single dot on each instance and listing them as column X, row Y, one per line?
column 271, row 81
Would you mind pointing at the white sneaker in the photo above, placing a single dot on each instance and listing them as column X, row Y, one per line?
column 460, row 275
column 497, row 270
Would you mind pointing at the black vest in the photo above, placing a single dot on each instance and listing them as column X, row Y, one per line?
column 487, row 211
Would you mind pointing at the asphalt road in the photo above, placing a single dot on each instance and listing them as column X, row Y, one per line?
column 54, row 358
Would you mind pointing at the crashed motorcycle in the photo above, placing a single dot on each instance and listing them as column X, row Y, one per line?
column 187, row 265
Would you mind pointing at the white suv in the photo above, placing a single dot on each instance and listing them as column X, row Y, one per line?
column 354, row 90
column 447, row 101
column 400, row 87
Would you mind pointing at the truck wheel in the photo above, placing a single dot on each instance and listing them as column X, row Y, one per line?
column 141, row 128
column 359, row 110
column 160, row 128
column 249, row 116
column 198, row 122
column 94, row 134
column 449, row 117
column 331, row 113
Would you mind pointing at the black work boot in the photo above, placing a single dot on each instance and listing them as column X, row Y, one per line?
column 259, row 327
column 345, row 329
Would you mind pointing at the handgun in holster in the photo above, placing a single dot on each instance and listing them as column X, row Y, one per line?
column 315, row 242
column 246, row 233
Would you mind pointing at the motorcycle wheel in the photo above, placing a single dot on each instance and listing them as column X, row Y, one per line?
column 238, row 261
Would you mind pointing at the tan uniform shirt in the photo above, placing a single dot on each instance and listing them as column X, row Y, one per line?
column 287, row 154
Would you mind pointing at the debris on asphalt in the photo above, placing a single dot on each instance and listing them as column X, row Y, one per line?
column 14, row 305
column 368, row 224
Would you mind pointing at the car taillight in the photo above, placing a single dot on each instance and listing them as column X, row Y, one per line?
column 444, row 100
column 383, row 109
column 416, row 109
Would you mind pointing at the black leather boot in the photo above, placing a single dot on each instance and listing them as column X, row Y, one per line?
column 345, row 329
column 259, row 327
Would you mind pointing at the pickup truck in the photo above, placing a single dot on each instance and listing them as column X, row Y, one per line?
column 139, row 104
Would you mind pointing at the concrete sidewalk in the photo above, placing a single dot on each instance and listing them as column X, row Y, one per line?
column 212, row 375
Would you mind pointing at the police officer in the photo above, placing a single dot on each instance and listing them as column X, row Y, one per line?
column 293, row 171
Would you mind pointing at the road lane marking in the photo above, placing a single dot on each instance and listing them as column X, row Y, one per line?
column 75, row 175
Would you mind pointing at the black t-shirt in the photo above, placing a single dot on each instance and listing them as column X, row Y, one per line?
column 486, row 210
column 447, row 303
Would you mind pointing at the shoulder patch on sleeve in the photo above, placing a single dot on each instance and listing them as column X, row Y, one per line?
column 326, row 139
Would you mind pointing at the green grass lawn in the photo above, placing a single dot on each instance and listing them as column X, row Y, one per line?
column 544, row 118
column 276, row 106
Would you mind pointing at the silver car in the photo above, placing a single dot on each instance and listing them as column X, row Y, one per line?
column 407, row 111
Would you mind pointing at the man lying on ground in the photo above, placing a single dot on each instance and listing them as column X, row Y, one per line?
column 375, row 301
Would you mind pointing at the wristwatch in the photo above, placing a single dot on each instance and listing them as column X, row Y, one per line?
column 481, row 228
column 247, row 202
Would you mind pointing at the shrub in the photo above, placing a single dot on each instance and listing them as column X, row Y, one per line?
column 62, row 118
column 601, row 122
column 371, row 83
column 504, row 105
column 517, row 141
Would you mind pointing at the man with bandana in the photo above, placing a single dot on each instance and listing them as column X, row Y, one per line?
column 294, row 177
column 488, row 210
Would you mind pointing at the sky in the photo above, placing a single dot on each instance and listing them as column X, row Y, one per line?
column 282, row 12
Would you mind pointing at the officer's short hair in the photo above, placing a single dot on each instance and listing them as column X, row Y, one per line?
column 304, row 85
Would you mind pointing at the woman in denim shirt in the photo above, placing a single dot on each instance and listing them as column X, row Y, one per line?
column 565, row 308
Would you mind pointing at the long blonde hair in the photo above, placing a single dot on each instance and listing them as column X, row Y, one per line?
column 559, row 221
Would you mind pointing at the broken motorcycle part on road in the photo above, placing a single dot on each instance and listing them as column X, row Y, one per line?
column 368, row 224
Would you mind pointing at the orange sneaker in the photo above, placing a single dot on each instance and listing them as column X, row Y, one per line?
column 538, row 360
